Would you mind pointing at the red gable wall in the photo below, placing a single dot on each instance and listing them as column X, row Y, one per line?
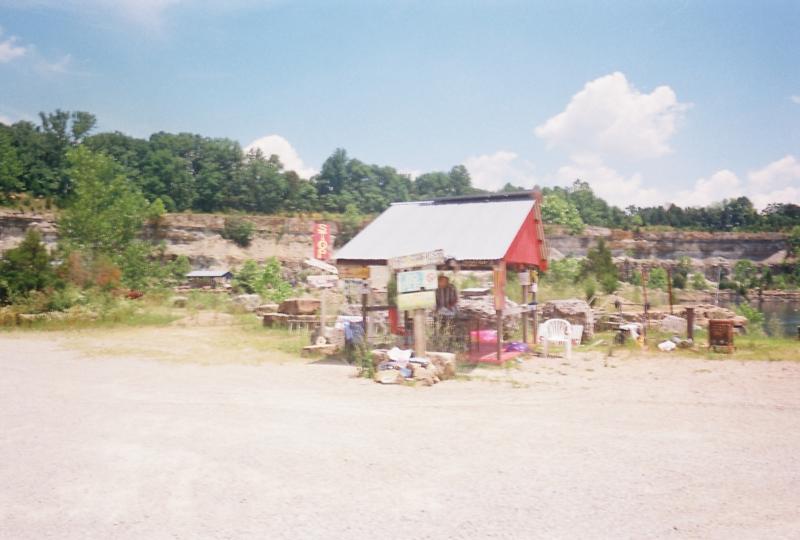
column 527, row 247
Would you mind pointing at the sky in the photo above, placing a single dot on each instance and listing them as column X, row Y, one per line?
column 650, row 102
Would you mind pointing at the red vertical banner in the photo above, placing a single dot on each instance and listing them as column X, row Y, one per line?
column 321, row 238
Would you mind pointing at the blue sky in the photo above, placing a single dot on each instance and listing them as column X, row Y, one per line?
column 650, row 102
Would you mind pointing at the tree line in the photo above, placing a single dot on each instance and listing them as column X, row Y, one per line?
column 190, row 172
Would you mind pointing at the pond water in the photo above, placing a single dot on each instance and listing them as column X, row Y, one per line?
column 781, row 317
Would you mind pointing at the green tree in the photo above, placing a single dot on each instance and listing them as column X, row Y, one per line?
column 107, row 212
column 10, row 164
column 248, row 278
column 657, row 278
column 745, row 273
column 238, row 230
column 794, row 241
column 25, row 268
column 559, row 211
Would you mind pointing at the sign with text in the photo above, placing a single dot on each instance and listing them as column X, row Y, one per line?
column 321, row 238
column 321, row 265
column 416, row 300
column 428, row 258
column 353, row 272
column 416, row 280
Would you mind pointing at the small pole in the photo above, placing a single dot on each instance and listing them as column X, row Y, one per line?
column 364, row 321
column 690, row 323
column 645, row 276
column 525, row 314
column 419, row 333
column 669, row 288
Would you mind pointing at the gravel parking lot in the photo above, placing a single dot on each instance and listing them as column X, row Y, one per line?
column 102, row 444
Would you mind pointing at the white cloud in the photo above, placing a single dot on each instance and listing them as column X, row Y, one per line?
column 493, row 171
column 608, row 183
column 59, row 66
column 275, row 144
column 796, row 99
column 9, row 50
column 723, row 184
column 778, row 181
column 5, row 120
column 778, row 173
column 609, row 117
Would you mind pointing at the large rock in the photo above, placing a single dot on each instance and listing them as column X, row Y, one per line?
column 265, row 309
column 442, row 363
column 425, row 375
column 482, row 308
column 299, row 306
column 250, row 302
column 573, row 310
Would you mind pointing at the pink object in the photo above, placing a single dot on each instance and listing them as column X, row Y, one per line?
column 483, row 336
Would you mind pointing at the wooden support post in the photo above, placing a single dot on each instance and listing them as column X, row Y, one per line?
column 364, row 312
column 419, row 333
column 669, row 288
column 645, row 277
column 525, row 314
column 690, row 323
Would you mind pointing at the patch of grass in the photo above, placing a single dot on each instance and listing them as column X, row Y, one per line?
column 748, row 347
column 203, row 300
column 276, row 339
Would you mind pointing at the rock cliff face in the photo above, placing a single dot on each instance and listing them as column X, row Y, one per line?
column 671, row 245
column 198, row 236
column 14, row 225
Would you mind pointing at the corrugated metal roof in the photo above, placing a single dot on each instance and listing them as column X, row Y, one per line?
column 208, row 273
column 464, row 230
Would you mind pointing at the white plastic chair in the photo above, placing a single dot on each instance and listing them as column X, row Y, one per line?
column 557, row 331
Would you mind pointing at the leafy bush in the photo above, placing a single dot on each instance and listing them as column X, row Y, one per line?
column 560, row 211
column 609, row 283
column 267, row 280
column 755, row 318
column 744, row 273
column 658, row 278
column 699, row 282
column 567, row 270
column 590, row 287
column 238, row 230
column 25, row 268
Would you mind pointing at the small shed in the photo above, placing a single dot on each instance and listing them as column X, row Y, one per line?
column 475, row 232
column 495, row 232
column 209, row 278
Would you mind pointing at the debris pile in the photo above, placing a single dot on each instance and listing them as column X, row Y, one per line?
column 395, row 366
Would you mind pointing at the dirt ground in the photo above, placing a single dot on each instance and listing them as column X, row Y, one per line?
column 194, row 433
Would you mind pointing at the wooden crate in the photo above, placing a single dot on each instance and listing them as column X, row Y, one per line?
column 720, row 334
